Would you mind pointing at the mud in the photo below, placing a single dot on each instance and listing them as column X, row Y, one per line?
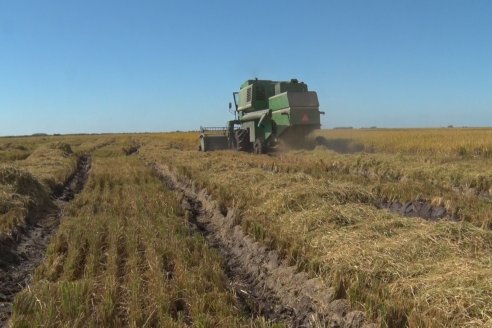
column 77, row 180
column 418, row 209
column 21, row 253
column 131, row 150
column 265, row 284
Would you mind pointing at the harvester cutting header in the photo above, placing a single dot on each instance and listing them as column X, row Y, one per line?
column 267, row 113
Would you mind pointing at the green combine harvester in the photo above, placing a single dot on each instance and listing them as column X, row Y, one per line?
column 267, row 114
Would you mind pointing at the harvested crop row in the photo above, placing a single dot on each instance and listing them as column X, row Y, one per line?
column 51, row 164
column 278, row 290
column 27, row 186
column 406, row 272
column 22, row 247
column 462, row 188
column 21, row 196
column 124, row 256
column 460, row 185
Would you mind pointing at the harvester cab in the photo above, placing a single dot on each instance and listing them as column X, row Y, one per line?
column 266, row 113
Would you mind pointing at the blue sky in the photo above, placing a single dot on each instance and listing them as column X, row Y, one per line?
column 123, row 66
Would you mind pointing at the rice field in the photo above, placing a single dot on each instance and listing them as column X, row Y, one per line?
column 348, row 213
column 320, row 208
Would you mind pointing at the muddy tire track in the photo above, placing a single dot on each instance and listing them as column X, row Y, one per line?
column 22, row 253
column 420, row 208
column 265, row 284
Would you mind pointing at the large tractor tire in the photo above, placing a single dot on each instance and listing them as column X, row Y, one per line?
column 260, row 146
column 242, row 140
column 232, row 143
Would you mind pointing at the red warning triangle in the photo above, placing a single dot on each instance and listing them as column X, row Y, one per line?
column 305, row 118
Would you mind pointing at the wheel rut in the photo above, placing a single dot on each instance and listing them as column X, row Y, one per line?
column 21, row 253
column 265, row 284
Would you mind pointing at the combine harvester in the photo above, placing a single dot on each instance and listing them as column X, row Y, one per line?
column 267, row 113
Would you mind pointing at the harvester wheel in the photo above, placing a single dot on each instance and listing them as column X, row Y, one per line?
column 260, row 146
column 242, row 139
column 232, row 143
